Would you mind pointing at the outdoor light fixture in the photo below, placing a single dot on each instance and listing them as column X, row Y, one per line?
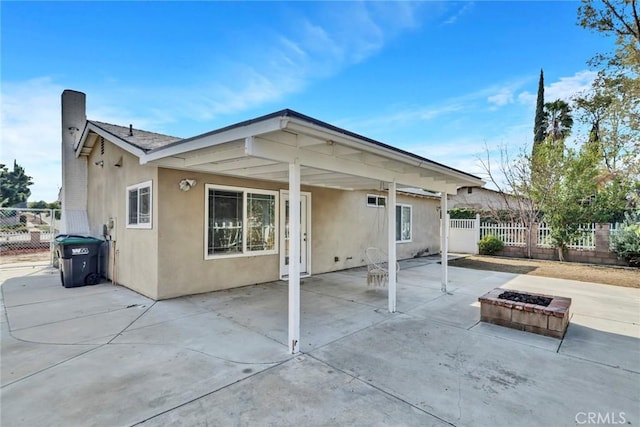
column 99, row 163
column 186, row 184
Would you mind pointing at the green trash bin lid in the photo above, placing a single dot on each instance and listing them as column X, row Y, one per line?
column 66, row 239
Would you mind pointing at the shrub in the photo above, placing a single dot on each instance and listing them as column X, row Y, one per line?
column 489, row 245
column 626, row 242
column 462, row 213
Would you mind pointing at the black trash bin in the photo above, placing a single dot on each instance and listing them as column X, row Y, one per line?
column 78, row 260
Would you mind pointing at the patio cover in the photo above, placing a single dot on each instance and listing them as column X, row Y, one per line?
column 292, row 148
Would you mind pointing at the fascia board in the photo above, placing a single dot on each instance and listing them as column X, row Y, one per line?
column 90, row 127
column 297, row 125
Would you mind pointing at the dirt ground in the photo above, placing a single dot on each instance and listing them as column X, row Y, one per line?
column 618, row 276
column 10, row 257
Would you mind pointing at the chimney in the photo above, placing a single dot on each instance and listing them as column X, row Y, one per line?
column 74, row 169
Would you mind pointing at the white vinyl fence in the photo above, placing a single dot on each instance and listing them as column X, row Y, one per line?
column 511, row 234
column 464, row 235
column 587, row 240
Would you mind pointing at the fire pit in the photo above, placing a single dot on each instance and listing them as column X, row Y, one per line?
column 537, row 313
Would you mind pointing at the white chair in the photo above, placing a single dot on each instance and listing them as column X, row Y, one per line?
column 377, row 267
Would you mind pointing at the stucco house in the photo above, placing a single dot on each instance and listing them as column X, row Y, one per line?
column 482, row 199
column 233, row 206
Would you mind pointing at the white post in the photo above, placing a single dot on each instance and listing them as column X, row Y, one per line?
column 294, row 256
column 476, row 236
column 391, row 210
column 444, row 241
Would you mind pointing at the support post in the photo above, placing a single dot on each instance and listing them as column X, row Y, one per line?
column 444, row 241
column 391, row 210
column 294, row 256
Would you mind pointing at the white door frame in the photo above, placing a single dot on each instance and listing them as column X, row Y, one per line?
column 284, row 269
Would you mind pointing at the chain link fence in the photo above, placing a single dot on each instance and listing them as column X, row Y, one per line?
column 28, row 235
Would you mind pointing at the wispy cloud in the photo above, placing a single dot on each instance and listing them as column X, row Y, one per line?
column 316, row 47
column 565, row 88
column 458, row 13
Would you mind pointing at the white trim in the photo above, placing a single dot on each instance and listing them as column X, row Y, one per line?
column 399, row 218
column 391, row 242
column 444, row 242
column 294, row 253
column 284, row 274
column 144, row 225
column 245, row 191
column 109, row 137
column 377, row 204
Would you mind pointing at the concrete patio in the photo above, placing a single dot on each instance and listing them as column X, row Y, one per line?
column 106, row 356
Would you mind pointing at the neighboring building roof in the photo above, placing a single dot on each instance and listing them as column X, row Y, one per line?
column 419, row 192
column 141, row 139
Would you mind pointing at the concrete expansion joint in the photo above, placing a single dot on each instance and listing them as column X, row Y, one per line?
column 385, row 392
column 209, row 393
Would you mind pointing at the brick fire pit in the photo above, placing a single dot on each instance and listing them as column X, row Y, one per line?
column 551, row 320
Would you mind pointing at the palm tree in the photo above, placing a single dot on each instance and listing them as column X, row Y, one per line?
column 559, row 120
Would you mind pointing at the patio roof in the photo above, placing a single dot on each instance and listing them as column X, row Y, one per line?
column 295, row 149
column 263, row 148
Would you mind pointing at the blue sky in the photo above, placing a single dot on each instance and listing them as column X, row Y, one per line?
column 440, row 79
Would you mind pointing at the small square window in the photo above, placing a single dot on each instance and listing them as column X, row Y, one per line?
column 375, row 201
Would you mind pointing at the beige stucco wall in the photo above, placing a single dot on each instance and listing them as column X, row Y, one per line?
column 183, row 269
column 342, row 226
column 135, row 249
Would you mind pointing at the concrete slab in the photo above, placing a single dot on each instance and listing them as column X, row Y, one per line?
column 221, row 357
column 467, row 378
column 167, row 310
column 21, row 359
column 595, row 340
column 91, row 329
column 456, row 309
column 117, row 385
column 302, row 391
column 74, row 305
column 210, row 334
column 520, row 337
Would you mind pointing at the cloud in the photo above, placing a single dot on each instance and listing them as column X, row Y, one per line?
column 503, row 97
column 31, row 133
column 565, row 88
column 460, row 12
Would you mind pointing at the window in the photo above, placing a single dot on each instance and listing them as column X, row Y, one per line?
column 403, row 223
column 139, row 203
column 375, row 201
column 240, row 221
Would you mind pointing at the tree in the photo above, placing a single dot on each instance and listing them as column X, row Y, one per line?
column 38, row 205
column 609, row 112
column 618, row 18
column 514, row 180
column 558, row 120
column 540, row 124
column 612, row 107
column 566, row 179
column 14, row 185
